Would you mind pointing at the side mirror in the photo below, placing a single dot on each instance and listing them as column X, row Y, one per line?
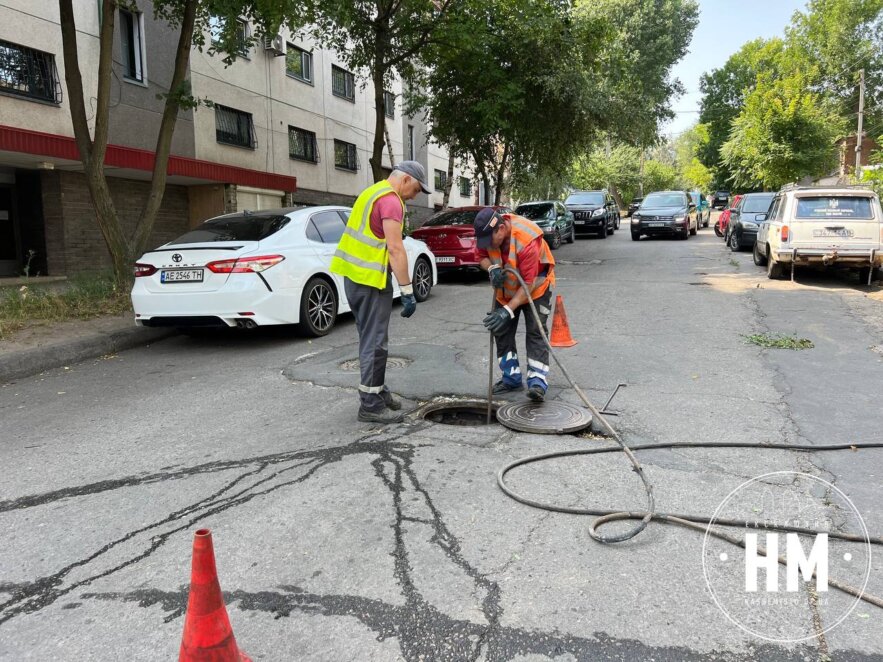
column 760, row 217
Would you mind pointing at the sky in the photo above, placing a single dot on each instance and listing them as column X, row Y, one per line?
column 724, row 25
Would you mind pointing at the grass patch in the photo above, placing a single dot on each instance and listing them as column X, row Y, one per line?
column 778, row 341
column 84, row 297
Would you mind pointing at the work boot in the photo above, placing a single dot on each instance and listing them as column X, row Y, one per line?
column 384, row 416
column 503, row 387
column 390, row 400
column 536, row 393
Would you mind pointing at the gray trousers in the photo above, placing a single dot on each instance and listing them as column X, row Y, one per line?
column 371, row 308
column 537, row 350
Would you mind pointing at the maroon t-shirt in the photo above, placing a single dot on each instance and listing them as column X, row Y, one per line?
column 388, row 207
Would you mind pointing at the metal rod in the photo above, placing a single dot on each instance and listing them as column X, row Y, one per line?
column 490, row 370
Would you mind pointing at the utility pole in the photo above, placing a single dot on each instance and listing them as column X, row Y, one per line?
column 858, row 135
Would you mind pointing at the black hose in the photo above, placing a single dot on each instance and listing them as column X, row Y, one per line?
column 645, row 517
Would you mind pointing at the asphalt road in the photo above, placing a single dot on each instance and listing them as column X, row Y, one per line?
column 339, row 541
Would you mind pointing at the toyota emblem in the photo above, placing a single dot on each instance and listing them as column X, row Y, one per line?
column 177, row 257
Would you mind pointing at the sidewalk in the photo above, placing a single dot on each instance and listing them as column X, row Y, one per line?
column 38, row 348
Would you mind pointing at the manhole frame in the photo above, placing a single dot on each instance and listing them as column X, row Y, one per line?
column 392, row 363
column 475, row 404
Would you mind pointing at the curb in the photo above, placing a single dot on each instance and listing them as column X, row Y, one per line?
column 39, row 359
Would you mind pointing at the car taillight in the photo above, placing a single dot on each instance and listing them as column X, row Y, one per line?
column 784, row 233
column 144, row 270
column 244, row 265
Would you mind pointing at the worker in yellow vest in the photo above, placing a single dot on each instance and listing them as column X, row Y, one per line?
column 509, row 240
column 368, row 254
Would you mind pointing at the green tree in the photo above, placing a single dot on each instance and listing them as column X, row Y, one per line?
column 191, row 19
column 617, row 170
column 687, row 146
column 784, row 133
column 660, row 176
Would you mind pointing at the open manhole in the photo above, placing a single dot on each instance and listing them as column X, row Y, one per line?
column 392, row 363
column 551, row 417
column 458, row 412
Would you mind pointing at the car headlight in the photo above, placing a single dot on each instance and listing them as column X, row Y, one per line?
column 598, row 212
column 680, row 219
column 636, row 219
column 749, row 225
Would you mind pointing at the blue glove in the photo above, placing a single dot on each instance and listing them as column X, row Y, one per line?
column 496, row 275
column 409, row 303
column 498, row 321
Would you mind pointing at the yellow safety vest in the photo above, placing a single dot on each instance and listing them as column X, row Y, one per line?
column 361, row 256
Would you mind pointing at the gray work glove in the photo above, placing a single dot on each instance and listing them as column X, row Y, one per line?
column 496, row 275
column 409, row 301
column 498, row 321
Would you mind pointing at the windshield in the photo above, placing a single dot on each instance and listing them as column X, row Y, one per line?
column 697, row 198
column 233, row 228
column 452, row 218
column 586, row 199
column 664, row 200
column 831, row 207
column 535, row 212
column 757, row 204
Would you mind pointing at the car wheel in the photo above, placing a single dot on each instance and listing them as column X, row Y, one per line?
column 694, row 230
column 717, row 230
column 759, row 258
column 572, row 236
column 735, row 246
column 422, row 279
column 774, row 270
column 603, row 233
column 618, row 221
column 556, row 240
column 612, row 228
column 318, row 307
column 636, row 236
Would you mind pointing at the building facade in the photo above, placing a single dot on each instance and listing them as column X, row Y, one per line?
column 286, row 124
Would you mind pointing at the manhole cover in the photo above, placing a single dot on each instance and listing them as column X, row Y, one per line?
column 552, row 417
column 392, row 363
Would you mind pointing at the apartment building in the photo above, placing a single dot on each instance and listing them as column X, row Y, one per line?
column 287, row 124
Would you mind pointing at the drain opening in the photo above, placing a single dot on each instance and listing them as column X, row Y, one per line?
column 471, row 413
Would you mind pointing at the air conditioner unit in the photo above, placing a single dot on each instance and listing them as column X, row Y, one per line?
column 275, row 44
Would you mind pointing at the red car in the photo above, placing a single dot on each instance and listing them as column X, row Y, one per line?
column 720, row 228
column 450, row 235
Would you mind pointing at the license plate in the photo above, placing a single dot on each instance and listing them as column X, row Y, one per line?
column 655, row 225
column 842, row 232
column 442, row 259
column 580, row 222
column 181, row 276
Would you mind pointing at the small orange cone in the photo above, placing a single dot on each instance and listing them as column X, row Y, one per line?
column 560, row 328
column 208, row 636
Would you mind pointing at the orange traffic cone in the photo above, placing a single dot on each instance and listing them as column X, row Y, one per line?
column 560, row 328
column 208, row 636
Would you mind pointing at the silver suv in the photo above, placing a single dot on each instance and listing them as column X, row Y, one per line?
column 837, row 226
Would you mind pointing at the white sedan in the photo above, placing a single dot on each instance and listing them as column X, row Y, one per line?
column 258, row 268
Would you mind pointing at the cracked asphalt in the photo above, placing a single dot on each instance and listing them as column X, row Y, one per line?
column 336, row 540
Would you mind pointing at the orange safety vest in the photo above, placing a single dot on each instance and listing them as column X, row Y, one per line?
column 523, row 232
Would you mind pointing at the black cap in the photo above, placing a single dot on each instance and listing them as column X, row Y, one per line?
column 486, row 221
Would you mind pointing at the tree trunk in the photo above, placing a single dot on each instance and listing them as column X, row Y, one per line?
column 92, row 151
column 166, row 131
column 500, row 174
column 378, row 75
column 449, row 181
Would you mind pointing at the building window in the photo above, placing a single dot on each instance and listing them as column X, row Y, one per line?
column 302, row 145
column 345, row 156
column 389, row 104
column 299, row 63
column 440, row 178
column 132, row 44
column 465, row 187
column 233, row 127
column 411, row 150
column 343, row 84
column 216, row 28
column 29, row 73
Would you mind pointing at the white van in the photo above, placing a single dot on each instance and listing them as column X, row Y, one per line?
column 839, row 226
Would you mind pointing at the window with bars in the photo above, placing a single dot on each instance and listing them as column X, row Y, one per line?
column 28, row 72
column 132, row 45
column 345, row 156
column 389, row 104
column 465, row 187
column 299, row 63
column 440, row 178
column 234, row 127
column 302, row 145
column 343, row 83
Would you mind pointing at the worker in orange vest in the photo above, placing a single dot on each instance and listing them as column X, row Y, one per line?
column 508, row 240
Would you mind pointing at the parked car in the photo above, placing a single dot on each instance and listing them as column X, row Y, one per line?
column 450, row 235
column 720, row 199
column 258, row 268
column 720, row 227
column 633, row 205
column 745, row 219
column 663, row 213
column 553, row 218
column 703, row 209
column 594, row 212
column 838, row 227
